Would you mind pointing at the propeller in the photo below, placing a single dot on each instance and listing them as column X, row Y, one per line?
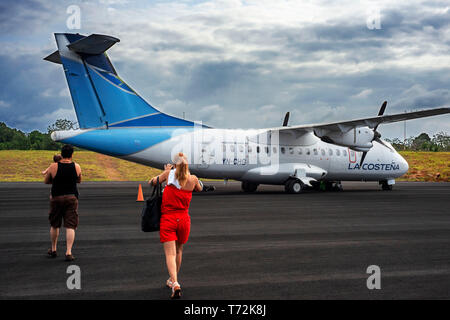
column 383, row 107
column 286, row 119
column 376, row 134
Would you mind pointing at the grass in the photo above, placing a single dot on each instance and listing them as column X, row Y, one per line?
column 27, row 165
column 19, row 165
column 427, row 166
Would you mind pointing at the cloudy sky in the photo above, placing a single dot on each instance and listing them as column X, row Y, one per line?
column 240, row 64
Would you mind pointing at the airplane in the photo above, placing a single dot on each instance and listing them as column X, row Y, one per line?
column 114, row 120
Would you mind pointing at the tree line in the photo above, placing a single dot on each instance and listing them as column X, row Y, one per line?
column 439, row 142
column 14, row 139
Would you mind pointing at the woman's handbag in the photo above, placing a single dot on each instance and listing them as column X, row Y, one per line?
column 151, row 213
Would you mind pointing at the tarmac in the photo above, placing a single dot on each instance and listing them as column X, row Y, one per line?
column 265, row 245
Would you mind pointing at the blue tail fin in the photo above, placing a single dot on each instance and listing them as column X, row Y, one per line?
column 100, row 97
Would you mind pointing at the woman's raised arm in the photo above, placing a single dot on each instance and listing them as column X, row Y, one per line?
column 163, row 176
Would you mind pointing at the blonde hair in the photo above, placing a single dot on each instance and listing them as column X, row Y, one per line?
column 182, row 168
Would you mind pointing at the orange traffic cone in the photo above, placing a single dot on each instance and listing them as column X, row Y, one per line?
column 140, row 196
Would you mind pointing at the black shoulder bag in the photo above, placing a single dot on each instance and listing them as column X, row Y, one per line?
column 151, row 213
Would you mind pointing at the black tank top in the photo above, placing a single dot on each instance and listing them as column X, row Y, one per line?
column 65, row 181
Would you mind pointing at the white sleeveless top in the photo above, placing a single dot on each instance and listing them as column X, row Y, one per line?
column 172, row 180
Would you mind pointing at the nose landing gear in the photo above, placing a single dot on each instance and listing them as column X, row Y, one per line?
column 294, row 186
column 386, row 185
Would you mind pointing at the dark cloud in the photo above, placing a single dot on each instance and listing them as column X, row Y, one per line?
column 28, row 17
column 34, row 89
column 438, row 21
column 212, row 78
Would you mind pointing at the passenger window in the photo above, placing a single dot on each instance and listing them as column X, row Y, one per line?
column 267, row 149
column 241, row 148
column 291, row 150
column 330, row 152
column 257, row 149
column 249, row 149
column 283, row 150
column 224, row 148
column 308, row 152
column 344, row 152
column 299, row 150
column 323, row 152
column 315, row 152
column 274, row 149
column 232, row 148
column 338, row 153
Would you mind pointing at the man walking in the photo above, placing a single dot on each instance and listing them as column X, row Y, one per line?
column 64, row 176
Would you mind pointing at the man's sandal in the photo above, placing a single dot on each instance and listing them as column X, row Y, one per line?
column 176, row 291
column 51, row 254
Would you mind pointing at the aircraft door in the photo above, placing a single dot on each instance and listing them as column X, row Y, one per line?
column 207, row 152
column 246, row 151
column 351, row 156
column 240, row 153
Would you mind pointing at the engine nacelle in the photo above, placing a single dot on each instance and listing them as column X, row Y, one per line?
column 358, row 139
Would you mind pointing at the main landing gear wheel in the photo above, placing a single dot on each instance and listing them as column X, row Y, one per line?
column 293, row 186
column 385, row 186
column 249, row 186
column 328, row 186
column 337, row 186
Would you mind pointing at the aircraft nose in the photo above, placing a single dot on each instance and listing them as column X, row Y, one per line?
column 404, row 166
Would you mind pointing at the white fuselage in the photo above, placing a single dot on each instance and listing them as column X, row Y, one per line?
column 254, row 155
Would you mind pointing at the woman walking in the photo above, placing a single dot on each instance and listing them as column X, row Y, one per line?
column 175, row 220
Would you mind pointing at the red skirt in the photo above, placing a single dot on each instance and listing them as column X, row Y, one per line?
column 175, row 227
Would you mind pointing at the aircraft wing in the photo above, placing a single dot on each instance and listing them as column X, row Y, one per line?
column 371, row 122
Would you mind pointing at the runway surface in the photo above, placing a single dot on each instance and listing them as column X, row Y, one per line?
column 267, row 245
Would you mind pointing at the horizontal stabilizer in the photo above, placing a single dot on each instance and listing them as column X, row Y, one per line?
column 93, row 44
column 54, row 57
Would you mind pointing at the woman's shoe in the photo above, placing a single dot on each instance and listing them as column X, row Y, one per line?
column 169, row 283
column 176, row 291
column 69, row 257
